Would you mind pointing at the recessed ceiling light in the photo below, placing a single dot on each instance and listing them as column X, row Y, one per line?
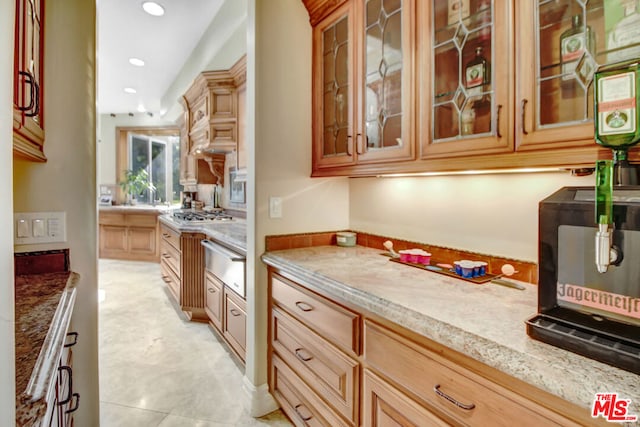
column 129, row 90
column 153, row 8
column 136, row 61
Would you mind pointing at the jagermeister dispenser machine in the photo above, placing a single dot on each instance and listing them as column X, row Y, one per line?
column 589, row 294
column 617, row 117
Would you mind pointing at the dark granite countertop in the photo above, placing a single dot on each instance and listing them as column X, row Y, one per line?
column 43, row 308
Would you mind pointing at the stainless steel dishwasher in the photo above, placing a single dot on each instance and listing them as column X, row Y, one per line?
column 226, row 265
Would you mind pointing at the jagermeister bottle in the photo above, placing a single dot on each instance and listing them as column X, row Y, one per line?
column 477, row 74
column 574, row 43
column 617, row 99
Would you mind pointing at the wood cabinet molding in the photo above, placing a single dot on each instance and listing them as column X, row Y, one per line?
column 319, row 9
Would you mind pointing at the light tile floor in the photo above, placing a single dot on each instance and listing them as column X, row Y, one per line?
column 158, row 369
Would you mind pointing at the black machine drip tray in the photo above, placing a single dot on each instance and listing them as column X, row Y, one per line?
column 604, row 348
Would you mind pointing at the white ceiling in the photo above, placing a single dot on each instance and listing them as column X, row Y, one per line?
column 164, row 43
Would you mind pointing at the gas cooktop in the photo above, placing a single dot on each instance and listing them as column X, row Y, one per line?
column 200, row 216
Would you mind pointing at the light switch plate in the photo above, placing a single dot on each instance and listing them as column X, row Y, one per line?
column 40, row 227
column 275, row 207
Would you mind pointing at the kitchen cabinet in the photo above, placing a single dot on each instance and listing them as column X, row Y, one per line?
column 363, row 83
column 493, row 89
column 239, row 73
column 323, row 351
column 384, row 405
column 319, row 341
column 129, row 235
column 182, row 269
column 235, row 322
column 193, row 171
column 467, row 51
column 227, row 313
column 62, row 400
column 28, row 84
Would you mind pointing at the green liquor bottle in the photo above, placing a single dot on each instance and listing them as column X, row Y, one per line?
column 574, row 43
column 617, row 98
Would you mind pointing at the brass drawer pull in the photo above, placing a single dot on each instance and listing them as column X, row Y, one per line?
column 452, row 400
column 301, row 356
column 166, row 255
column 303, row 306
column 166, row 235
column 297, row 409
column 166, row 279
column 211, row 290
column 234, row 312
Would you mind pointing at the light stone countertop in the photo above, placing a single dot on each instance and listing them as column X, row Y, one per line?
column 230, row 233
column 484, row 322
column 141, row 208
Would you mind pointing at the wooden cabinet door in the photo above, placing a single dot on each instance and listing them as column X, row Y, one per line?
column 113, row 241
column 214, row 299
column 235, row 322
column 385, row 80
column 554, row 99
column 334, row 94
column 28, row 80
column 384, row 406
column 142, row 242
column 466, row 74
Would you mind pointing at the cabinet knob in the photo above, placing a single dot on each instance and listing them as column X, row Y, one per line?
column 300, row 354
column 234, row 312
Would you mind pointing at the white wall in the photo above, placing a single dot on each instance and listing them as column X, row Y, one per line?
column 492, row 214
column 67, row 182
column 107, row 140
column 7, row 348
column 279, row 154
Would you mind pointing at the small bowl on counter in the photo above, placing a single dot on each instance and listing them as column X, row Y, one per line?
column 346, row 238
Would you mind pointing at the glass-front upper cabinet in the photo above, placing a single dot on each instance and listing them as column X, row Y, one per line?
column 570, row 39
column 363, row 84
column 467, row 77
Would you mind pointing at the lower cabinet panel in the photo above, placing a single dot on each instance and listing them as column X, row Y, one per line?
column 298, row 401
column 235, row 322
column 386, row 406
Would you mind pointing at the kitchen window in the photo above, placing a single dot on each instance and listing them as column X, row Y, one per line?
column 155, row 150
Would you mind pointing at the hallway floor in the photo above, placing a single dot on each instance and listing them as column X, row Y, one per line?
column 158, row 369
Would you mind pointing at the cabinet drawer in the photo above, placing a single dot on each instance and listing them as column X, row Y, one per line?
column 170, row 278
column 425, row 375
column 383, row 405
column 214, row 299
column 298, row 401
column 337, row 324
column 331, row 373
column 171, row 256
column 142, row 220
column 235, row 322
column 108, row 218
column 170, row 236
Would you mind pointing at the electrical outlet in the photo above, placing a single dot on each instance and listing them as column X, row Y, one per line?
column 275, row 207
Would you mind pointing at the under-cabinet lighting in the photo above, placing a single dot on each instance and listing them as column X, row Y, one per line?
column 153, row 8
column 474, row 172
column 136, row 61
column 130, row 90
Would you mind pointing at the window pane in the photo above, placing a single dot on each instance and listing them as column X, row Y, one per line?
column 176, row 187
column 159, row 170
column 139, row 153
